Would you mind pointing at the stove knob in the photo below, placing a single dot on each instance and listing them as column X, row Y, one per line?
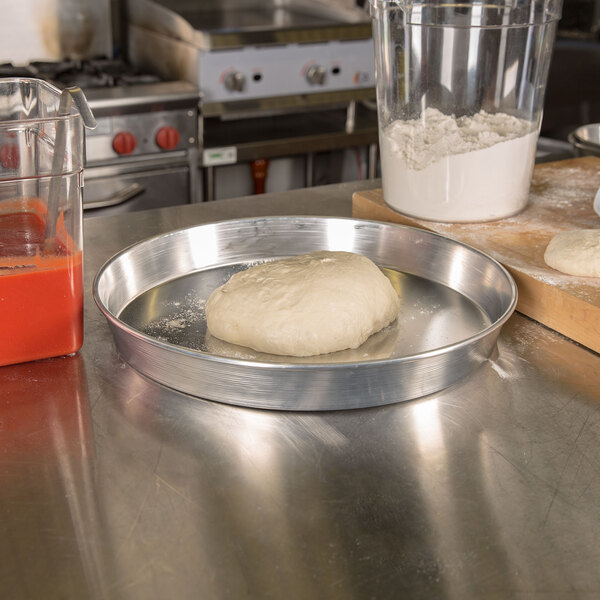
column 124, row 142
column 167, row 138
column 235, row 82
column 315, row 75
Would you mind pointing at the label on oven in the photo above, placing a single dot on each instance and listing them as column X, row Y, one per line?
column 212, row 157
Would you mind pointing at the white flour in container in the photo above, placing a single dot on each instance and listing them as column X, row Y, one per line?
column 458, row 170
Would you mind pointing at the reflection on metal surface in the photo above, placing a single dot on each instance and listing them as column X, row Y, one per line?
column 283, row 486
column 541, row 474
column 47, row 449
column 253, row 436
column 428, row 430
column 340, row 235
column 253, row 493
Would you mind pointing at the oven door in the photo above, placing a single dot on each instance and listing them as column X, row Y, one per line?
column 111, row 191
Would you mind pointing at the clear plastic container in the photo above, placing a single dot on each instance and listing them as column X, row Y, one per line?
column 460, row 93
column 41, row 285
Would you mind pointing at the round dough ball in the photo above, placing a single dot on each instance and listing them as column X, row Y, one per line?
column 302, row 306
column 575, row 252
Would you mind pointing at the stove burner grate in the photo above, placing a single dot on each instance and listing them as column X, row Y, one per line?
column 90, row 73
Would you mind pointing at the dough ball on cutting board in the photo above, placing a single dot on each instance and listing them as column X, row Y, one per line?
column 303, row 306
column 575, row 252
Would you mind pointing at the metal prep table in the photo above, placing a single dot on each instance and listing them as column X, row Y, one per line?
column 115, row 488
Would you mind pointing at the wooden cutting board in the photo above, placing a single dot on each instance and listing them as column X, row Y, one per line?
column 560, row 199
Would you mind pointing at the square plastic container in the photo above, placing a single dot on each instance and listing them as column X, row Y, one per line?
column 41, row 167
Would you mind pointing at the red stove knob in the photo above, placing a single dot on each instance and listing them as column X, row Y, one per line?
column 124, row 142
column 167, row 138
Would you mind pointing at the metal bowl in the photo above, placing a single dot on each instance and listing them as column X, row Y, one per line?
column 454, row 301
column 586, row 139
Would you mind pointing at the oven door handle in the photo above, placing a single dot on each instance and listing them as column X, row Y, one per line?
column 127, row 193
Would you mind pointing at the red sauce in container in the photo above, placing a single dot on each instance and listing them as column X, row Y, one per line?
column 41, row 293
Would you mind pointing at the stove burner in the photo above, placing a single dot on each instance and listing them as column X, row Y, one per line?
column 10, row 70
column 91, row 73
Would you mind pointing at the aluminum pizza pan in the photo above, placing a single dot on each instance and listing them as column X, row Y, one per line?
column 454, row 301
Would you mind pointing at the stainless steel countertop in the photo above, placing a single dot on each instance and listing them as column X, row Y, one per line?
column 113, row 487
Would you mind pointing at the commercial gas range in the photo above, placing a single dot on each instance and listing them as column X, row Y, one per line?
column 253, row 60
column 143, row 153
column 246, row 55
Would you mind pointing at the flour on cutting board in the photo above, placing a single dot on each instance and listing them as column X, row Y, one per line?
column 573, row 180
column 560, row 200
column 483, row 236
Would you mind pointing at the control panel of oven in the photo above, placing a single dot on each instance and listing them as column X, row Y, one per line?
column 262, row 72
column 143, row 133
